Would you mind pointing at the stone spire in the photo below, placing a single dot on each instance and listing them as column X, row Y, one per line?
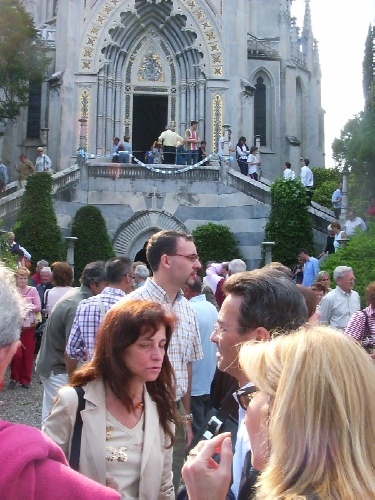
column 307, row 25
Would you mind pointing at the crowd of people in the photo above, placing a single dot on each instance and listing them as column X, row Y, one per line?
column 147, row 360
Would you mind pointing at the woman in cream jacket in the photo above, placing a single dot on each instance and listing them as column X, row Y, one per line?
column 128, row 419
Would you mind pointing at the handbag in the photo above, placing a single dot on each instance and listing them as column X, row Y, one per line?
column 41, row 326
column 368, row 346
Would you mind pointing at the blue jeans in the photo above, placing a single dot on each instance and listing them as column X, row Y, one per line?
column 200, row 406
column 192, row 157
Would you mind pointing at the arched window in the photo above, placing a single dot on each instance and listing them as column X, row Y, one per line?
column 260, row 111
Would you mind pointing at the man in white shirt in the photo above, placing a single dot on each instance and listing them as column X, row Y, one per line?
column 307, row 178
column 257, row 304
column 288, row 172
column 169, row 140
column 337, row 307
column 352, row 223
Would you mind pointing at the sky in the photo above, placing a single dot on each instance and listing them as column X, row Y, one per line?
column 341, row 28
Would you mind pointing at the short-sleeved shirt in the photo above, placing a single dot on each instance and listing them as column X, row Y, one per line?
column 82, row 338
column 185, row 345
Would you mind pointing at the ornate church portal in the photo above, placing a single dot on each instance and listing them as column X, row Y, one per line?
column 152, row 60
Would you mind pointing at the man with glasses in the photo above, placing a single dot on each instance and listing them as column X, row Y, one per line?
column 90, row 312
column 173, row 258
column 258, row 304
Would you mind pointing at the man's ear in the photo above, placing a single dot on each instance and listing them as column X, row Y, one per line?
column 262, row 334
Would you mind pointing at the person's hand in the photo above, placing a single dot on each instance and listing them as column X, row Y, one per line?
column 372, row 355
column 204, row 478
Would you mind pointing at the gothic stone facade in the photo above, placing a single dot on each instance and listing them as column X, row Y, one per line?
column 128, row 67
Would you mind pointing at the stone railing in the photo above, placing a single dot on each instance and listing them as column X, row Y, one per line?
column 321, row 216
column 127, row 171
column 257, row 47
column 255, row 189
column 10, row 203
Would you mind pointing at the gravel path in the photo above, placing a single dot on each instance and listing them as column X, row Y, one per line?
column 22, row 406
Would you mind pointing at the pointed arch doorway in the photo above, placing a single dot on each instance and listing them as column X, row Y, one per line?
column 150, row 115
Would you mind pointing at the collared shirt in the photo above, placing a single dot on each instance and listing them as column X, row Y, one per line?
column 337, row 307
column 170, row 138
column 310, row 270
column 204, row 369
column 336, row 198
column 289, row 174
column 351, row 225
column 307, row 177
column 82, row 338
column 185, row 345
column 241, row 449
column 357, row 323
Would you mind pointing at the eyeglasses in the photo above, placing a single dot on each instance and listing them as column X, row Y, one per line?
column 245, row 395
column 219, row 330
column 192, row 257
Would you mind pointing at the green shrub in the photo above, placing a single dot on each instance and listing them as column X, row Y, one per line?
column 325, row 182
column 215, row 242
column 359, row 253
column 93, row 241
column 36, row 228
column 289, row 224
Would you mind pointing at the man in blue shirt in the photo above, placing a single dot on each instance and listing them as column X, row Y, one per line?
column 310, row 267
column 336, row 200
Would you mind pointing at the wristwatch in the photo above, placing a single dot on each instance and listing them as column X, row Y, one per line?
column 189, row 418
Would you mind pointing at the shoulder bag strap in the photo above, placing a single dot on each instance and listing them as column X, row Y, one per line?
column 101, row 307
column 75, row 450
column 366, row 331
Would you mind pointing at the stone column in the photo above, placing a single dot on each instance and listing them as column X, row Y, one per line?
column 70, row 240
column 201, row 110
column 109, row 118
column 118, row 100
column 81, row 160
column 268, row 245
column 183, row 108
column 100, row 117
column 192, row 107
column 225, row 164
column 345, row 198
column 44, row 137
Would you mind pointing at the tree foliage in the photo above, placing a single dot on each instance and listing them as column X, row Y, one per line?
column 359, row 253
column 367, row 67
column 356, row 146
column 289, row 224
column 93, row 240
column 215, row 242
column 325, row 182
column 356, row 149
column 22, row 57
column 36, row 228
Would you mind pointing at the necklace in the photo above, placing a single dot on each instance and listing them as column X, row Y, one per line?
column 138, row 406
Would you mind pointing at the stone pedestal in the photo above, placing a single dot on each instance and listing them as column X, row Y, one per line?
column 268, row 245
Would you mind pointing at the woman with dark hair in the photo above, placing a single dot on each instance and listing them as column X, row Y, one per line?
column 62, row 280
column 242, row 152
column 129, row 409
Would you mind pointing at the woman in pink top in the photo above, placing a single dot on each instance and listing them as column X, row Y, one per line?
column 22, row 362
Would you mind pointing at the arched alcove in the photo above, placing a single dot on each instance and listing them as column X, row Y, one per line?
column 132, row 235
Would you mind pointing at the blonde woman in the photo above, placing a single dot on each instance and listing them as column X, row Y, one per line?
column 22, row 362
column 311, row 424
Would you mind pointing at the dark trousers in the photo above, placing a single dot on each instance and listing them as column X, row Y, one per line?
column 200, row 406
column 169, row 153
column 192, row 157
column 22, row 362
column 243, row 166
column 179, row 447
column 337, row 212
